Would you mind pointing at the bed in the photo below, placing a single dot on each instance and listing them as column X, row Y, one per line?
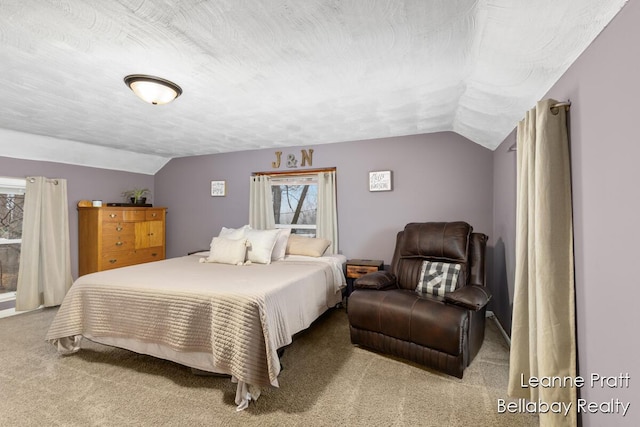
column 222, row 318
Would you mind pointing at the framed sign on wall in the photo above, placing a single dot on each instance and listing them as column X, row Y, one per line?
column 380, row 181
column 218, row 188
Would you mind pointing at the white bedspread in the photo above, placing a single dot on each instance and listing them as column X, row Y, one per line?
column 213, row 317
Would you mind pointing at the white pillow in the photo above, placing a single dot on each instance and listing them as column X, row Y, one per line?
column 309, row 246
column 234, row 233
column 261, row 245
column 227, row 251
column 280, row 247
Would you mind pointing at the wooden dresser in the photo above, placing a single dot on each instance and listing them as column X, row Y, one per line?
column 111, row 237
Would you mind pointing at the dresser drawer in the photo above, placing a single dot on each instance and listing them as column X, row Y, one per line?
column 149, row 254
column 118, row 228
column 113, row 215
column 125, row 257
column 111, row 260
column 117, row 215
column 118, row 242
column 152, row 214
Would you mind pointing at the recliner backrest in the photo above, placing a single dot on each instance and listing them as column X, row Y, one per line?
column 437, row 241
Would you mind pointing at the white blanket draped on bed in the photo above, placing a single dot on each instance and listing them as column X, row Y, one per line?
column 213, row 317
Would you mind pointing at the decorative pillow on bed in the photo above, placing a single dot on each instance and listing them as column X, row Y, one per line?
column 280, row 248
column 309, row 246
column 234, row 233
column 261, row 243
column 438, row 277
column 227, row 251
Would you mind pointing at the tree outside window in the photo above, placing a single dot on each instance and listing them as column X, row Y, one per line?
column 295, row 204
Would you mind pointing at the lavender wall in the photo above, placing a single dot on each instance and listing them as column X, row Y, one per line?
column 504, row 230
column 83, row 183
column 604, row 89
column 436, row 177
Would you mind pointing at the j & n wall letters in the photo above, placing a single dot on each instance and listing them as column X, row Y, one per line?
column 292, row 161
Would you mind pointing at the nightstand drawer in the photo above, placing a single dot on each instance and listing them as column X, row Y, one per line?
column 355, row 271
column 360, row 267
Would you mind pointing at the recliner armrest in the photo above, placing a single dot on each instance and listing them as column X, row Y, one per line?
column 473, row 297
column 377, row 280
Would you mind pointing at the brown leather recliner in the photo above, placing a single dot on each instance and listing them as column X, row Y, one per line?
column 388, row 315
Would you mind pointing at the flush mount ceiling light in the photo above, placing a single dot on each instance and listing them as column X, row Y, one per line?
column 154, row 90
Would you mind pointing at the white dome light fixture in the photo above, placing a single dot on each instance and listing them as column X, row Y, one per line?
column 154, row 90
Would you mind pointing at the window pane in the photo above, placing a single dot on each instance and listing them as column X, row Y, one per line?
column 11, row 208
column 295, row 204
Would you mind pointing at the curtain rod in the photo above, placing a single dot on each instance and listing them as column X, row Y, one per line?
column 566, row 105
column 295, row 172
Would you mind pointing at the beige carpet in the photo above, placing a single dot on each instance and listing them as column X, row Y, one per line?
column 326, row 381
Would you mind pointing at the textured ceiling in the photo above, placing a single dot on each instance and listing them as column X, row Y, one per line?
column 258, row 74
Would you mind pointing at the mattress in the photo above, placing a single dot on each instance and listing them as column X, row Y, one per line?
column 213, row 317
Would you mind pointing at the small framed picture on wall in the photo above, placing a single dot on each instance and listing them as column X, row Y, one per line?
column 380, row 181
column 218, row 188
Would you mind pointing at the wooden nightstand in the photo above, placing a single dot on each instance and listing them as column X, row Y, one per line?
column 360, row 267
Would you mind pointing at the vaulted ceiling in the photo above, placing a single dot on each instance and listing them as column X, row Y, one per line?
column 260, row 74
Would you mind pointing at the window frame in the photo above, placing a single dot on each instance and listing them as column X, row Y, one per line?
column 7, row 183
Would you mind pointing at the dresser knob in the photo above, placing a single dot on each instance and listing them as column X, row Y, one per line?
column 112, row 261
column 154, row 214
column 118, row 243
column 118, row 228
column 113, row 215
column 154, row 254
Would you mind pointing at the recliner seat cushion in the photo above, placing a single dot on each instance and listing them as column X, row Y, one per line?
column 407, row 316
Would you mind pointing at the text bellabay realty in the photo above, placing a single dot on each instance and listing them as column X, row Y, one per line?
column 613, row 406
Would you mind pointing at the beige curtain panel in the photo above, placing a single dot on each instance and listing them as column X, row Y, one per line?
column 44, row 275
column 543, row 329
column 261, row 203
column 327, row 217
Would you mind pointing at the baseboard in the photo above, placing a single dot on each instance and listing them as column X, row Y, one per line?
column 8, row 312
column 493, row 317
column 7, row 296
column 7, row 304
column 12, row 311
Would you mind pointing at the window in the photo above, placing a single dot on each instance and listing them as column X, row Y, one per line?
column 302, row 201
column 295, row 203
column 11, row 209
